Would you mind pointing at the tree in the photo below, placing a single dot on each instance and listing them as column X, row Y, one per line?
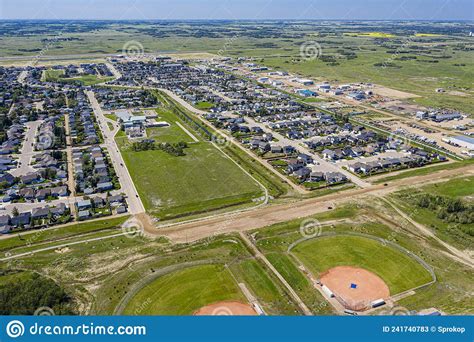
column 15, row 212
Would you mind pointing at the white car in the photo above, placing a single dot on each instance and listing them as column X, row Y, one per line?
column 2, row 207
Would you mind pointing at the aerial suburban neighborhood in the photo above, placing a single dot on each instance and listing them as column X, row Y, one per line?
column 280, row 168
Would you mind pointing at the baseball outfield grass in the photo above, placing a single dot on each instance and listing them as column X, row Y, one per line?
column 399, row 271
column 184, row 292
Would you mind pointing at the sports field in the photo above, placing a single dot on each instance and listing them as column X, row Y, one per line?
column 399, row 271
column 202, row 180
column 186, row 291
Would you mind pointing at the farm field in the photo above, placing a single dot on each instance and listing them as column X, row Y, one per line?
column 416, row 63
column 185, row 291
column 399, row 271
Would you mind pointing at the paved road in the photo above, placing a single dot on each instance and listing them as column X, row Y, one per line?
column 22, row 77
column 70, row 167
column 128, row 187
column 27, row 150
column 113, row 70
column 325, row 165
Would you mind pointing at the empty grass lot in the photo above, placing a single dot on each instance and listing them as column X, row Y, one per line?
column 457, row 233
column 459, row 187
column 184, row 292
column 53, row 75
column 204, row 179
column 399, row 271
column 53, row 234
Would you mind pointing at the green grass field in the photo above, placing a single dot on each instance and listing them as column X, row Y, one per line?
column 204, row 179
column 52, row 75
column 53, row 234
column 204, row 105
column 425, row 171
column 399, row 271
column 459, row 187
column 185, row 291
column 172, row 134
column 458, row 233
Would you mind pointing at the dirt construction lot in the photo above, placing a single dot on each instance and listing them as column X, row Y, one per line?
column 356, row 287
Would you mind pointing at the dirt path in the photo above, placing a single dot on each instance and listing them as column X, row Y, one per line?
column 457, row 254
column 261, row 256
column 265, row 216
column 187, row 132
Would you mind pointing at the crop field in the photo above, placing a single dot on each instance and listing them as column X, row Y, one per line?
column 183, row 292
column 399, row 271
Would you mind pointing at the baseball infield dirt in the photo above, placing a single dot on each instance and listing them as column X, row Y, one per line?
column 226, row 309
column 355, row 287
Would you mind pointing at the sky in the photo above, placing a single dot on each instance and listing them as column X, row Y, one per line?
column 238, row 9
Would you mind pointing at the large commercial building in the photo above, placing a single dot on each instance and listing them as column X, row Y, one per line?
column 463, row 141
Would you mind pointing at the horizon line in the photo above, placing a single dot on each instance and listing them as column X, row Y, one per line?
column 225, row 19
